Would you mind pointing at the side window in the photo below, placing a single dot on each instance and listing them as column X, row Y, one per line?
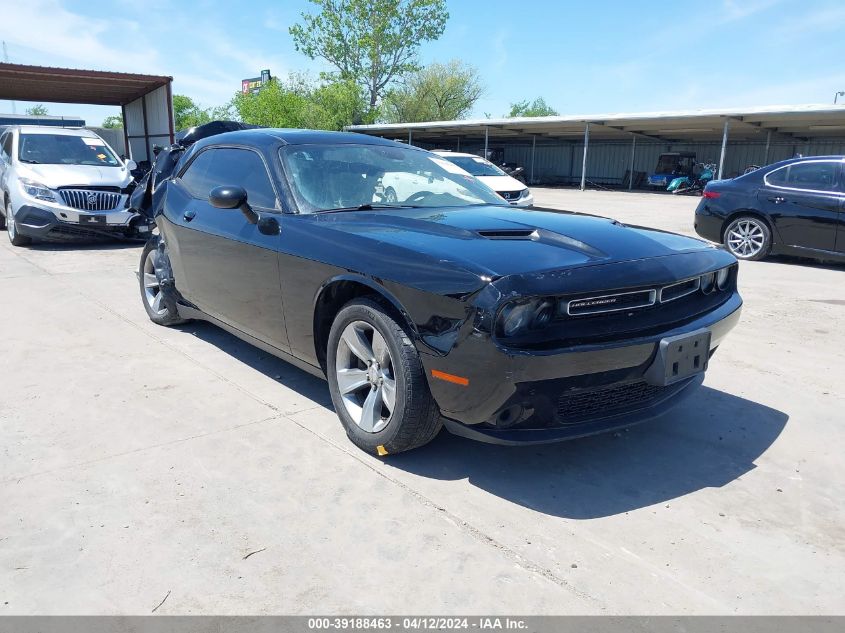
column 6, row 145
column 230, row 166
column 819, row 176
column 195, row 178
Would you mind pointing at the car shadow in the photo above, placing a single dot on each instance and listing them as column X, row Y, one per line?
column 793, row 260
column 85, row 245
column 708, row 441
column 292, row 377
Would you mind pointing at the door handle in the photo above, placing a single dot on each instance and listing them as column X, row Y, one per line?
column 189, row 215
column 776, row 199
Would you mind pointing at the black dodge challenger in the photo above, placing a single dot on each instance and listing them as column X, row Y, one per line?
column 444, row 307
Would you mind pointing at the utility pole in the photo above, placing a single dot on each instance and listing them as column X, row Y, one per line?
column 6, row 59
column 836, row 95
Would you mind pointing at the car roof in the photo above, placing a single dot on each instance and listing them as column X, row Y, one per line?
column 62, row 131
column 268, row 137
column 446, row 152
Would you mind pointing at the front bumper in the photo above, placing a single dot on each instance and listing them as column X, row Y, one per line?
column 45, row 224
column 531, row 397
column 527, row 201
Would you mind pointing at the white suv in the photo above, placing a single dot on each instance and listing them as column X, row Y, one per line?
column 515, row 192
column 61, row 183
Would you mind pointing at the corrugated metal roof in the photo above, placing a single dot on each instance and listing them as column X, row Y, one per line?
column 796, row 121
column 20, row 82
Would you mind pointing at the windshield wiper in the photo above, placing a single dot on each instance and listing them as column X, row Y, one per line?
column 29, row 160
column 369, row 206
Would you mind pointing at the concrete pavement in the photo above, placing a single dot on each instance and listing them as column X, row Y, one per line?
column 141, row 462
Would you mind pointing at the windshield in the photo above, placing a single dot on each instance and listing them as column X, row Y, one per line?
column 476, row 165
column 63, row 149
column 332, row 177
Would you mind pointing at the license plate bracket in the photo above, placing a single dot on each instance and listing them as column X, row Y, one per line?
column 679, row 357
column 92, row 219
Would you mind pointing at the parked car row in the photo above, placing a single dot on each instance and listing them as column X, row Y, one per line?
column 405, row 278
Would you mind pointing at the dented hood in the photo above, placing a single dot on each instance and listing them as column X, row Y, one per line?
column 498, row 241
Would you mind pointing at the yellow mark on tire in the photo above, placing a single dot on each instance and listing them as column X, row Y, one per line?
column 381, row 450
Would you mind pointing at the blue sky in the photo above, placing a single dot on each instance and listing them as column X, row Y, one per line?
column 591, row 57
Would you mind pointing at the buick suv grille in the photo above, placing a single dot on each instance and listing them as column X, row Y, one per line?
column 90, row 200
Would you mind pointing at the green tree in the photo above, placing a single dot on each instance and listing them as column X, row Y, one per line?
column 370, row 42
column 112, row 122
column 37, row 110
column 538, row 107
column 299, row 102
column 187, row 113
column 438, row 92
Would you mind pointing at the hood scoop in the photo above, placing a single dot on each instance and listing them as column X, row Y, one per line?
column 510, row 234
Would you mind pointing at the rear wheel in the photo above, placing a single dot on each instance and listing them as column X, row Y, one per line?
column 152, row 276
column 748, row 237
column 377, row 381
column 12, row 229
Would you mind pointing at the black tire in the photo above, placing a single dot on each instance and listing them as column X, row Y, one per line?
column 415, row 419
column 11, row 229
column 753, row 226
column 168, row 312
column 390, row 196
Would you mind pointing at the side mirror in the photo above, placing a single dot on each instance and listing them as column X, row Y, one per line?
column 232, row 198
column 131, row 165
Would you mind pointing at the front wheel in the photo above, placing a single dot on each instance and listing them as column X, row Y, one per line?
column 12, row 229
column 377, row 381
column 748, row 238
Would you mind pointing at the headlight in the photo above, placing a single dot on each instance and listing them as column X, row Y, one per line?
column 722, row 277
column 708, row 283
column 524, row 193
column 37, row 190
column 517, row 317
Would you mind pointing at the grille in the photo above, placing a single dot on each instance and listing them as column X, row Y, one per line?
column 90, row 200
column 510, row 195
column 611, row 303
column 581, row 405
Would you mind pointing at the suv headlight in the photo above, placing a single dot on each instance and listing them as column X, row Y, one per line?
column 37, row 190
column 519, row 316
column 524, row 193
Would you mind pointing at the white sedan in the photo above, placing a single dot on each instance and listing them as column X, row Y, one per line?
column 515, row 192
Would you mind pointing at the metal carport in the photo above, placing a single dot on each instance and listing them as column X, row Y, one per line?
column 765, row 134
column 146, row 101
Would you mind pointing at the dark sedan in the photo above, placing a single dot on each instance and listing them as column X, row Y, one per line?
column 794, row 207
column 447, row 306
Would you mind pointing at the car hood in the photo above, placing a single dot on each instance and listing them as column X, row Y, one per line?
column 496, row 241
column 501, row 183
column 54, row 176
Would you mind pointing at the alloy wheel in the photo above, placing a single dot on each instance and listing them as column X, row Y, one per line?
column 10, row 223
column 365, row 376
column 746, row 238
column 152, row 284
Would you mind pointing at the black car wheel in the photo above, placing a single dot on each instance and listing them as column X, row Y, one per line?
column 12, row 229
column 377, row 381
column 152, row 273
column 748, row 238
column 390, row 196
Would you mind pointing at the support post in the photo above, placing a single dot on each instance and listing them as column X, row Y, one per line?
column 631, row 168
column 724, row 147
column 584, row 158
column 768, row 144
column 410, row 136
column 486, row 134
column 533, row 150
column 459, row 143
